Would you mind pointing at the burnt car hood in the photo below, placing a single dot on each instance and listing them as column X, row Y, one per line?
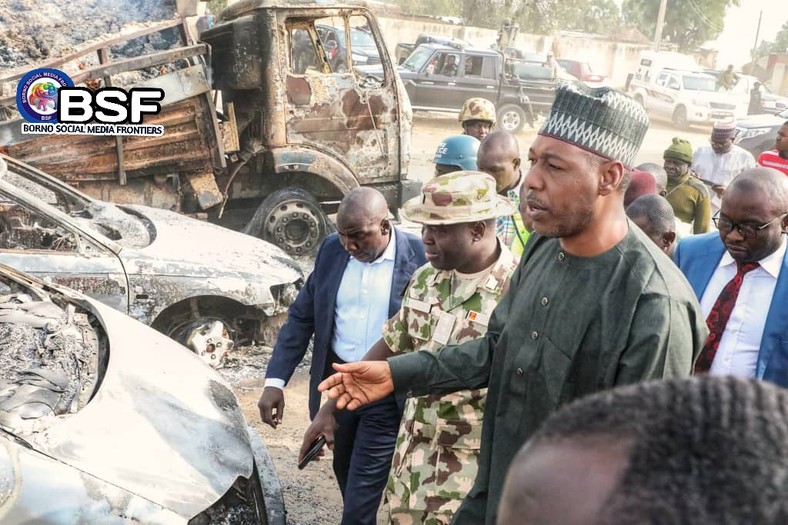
column 163, row 427
column 190, row 247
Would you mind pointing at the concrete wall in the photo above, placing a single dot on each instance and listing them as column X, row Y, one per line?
column 613, row 59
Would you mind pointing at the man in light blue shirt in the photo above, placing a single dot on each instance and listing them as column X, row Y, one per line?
column 360, row 275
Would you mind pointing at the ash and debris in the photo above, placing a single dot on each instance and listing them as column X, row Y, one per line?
column 48, row 360
column 33, row 30
column 245, row 364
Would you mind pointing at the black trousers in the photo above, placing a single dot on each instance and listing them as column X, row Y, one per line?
column 363, row 447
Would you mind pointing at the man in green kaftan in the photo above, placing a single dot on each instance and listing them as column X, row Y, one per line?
column 594, row 303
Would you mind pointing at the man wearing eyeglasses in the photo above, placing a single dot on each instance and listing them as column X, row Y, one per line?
column 718, row 162
column 740, row 276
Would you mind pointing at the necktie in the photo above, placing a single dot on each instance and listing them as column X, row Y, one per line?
column 719, row 315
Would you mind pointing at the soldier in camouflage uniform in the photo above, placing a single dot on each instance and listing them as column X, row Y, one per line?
column 435, row 462
column 477, row 117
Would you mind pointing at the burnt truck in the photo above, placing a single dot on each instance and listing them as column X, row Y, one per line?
column 260, row 133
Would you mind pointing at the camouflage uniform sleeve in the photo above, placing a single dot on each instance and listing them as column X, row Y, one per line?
column 395, row 330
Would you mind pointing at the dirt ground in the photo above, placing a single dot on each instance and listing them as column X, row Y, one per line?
column 311, row 495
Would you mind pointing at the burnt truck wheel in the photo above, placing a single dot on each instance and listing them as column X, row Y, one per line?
column 292, row 219
column 511, row 118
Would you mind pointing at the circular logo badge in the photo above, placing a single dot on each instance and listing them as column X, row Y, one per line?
column 36, row 94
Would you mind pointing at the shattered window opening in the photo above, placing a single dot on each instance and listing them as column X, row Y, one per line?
column 49, row 359
column 25, row 229
column 101, row 217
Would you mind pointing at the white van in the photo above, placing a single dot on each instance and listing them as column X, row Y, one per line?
column 684, row 96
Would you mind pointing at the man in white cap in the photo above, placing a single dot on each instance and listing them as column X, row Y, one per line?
column 594, row 304
column 718, row 162
column 449, row 301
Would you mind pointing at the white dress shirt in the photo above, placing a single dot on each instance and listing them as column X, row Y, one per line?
column 720, row 168
column 737, row 353
column 363, row 304
column 361, row 308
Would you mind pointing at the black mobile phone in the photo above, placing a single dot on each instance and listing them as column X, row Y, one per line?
column 314, row 450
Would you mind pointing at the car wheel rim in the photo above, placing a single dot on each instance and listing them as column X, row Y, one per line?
column 294, row 226
column 210, row 339
column 510, row 120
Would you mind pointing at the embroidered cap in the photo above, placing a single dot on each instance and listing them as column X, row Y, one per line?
column 456, row 198
column 601, row 120
column 723, row 130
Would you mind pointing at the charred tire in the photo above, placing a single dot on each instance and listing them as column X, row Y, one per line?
column 292, row 219
column 680, row 117
column 511, row 118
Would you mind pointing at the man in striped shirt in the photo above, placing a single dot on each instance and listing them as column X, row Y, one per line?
column 778, row 157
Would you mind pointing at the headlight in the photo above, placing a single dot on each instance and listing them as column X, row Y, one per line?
column 748, row 133
column 359, row 59
column 700, row 102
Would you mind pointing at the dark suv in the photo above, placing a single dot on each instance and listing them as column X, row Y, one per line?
column 757, row 133
column 440, row 78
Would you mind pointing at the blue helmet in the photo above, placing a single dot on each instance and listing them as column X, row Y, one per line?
column 457, row 150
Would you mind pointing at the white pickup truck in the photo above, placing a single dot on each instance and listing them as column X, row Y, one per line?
column 684, row 96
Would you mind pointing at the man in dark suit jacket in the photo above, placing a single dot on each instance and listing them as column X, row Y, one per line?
column 357, row 284
column 752, row 340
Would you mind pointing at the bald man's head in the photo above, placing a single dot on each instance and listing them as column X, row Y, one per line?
column 362, row 223
column 772, row 183
column 756, row 202
column 660, row 176
column 368, row 203
column 499, row 156
column 654, row 215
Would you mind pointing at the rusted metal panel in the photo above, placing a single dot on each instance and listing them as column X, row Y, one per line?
column 184, row 148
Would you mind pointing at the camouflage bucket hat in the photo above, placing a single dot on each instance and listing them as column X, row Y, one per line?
column 456, row 198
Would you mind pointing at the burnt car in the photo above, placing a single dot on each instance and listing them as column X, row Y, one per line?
column 203, row 285
column 105, row 420
column 757, row 133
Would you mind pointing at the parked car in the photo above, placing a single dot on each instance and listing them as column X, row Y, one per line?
column 757, row 133
column 440, row 78
column 105, row 420
column 362, row 45
column 206, row 286
column 581, row 71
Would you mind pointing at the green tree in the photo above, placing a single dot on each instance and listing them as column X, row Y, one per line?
column 779, row 45
column 688, row 23
column 533, row 16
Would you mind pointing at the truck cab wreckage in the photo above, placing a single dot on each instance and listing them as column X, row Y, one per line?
column 260, row 135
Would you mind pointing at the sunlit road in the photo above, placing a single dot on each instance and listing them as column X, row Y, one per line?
column 430, row 128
